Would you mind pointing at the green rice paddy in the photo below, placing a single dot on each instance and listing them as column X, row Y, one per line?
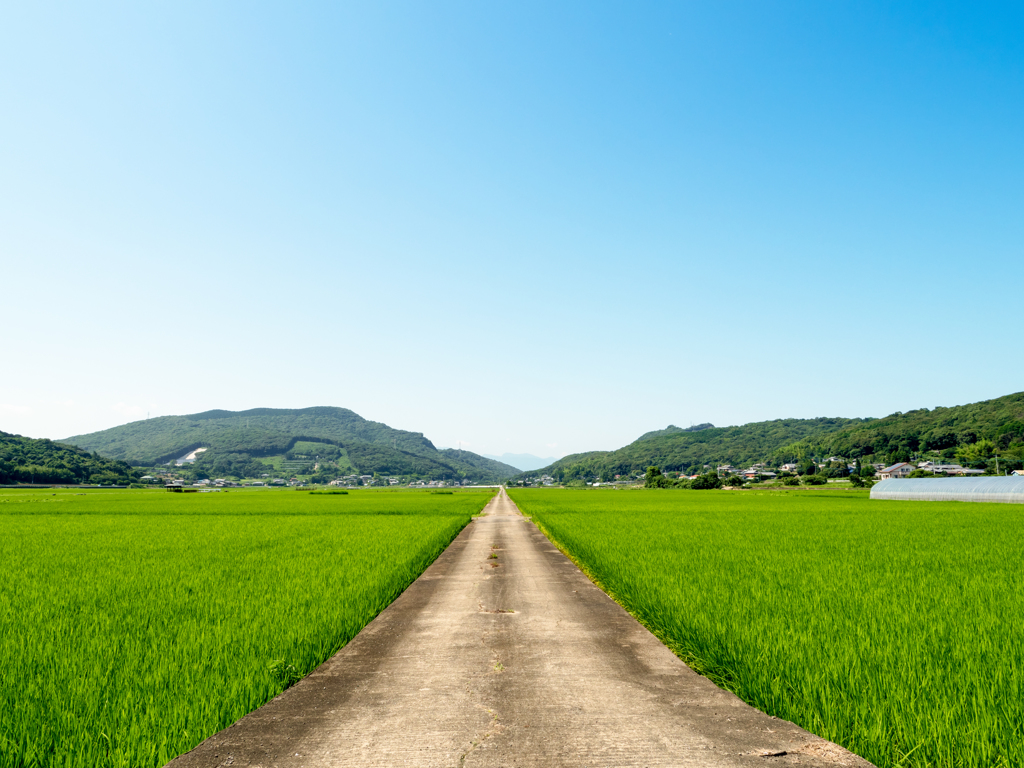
column 135, row 624
column 895, row 629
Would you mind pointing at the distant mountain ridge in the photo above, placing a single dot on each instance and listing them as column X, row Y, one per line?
column 523, row 461
column 368, row 446
column 672, row 429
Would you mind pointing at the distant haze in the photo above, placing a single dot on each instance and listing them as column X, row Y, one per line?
column 523, row 461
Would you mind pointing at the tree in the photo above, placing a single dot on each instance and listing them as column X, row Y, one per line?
column 838, row 469
column 900, row 455
column 939, row 439
column 706, row 482
column 656, row 479
column 976, row 455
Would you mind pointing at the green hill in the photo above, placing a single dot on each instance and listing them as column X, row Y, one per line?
column 25, row 460
column 972, row 434
column 236, row 439
column 689, row 450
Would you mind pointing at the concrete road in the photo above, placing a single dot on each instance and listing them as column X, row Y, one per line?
column 504, row 654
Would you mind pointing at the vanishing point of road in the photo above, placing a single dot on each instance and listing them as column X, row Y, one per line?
column 517, row 660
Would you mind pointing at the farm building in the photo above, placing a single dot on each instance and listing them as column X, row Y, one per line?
column 1009, row 490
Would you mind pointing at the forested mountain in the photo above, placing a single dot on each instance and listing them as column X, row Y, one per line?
column 676, row 449
column 25, row 460
column 972, row 434
column 234, row 439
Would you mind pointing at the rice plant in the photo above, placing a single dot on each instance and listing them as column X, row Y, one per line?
column 895, row 629
column 133, row 625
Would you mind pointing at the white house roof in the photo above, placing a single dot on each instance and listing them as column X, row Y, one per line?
column 896, row 466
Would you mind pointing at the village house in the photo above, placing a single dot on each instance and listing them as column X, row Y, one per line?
column 948, row 469
column 902, row 469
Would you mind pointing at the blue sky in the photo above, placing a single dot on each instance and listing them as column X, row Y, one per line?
column 528, row 227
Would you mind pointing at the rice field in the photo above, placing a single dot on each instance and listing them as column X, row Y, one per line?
column 895, row 629
column 134, row 624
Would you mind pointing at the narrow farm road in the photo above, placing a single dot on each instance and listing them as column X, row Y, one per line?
column 504, row 654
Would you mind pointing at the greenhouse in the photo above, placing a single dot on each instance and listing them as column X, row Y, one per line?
column 1008, row 490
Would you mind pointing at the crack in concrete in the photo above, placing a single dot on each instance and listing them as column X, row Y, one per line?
column 496, row 728
column 493, row 610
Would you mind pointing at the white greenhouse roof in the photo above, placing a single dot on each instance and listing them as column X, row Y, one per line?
column 1008, row 490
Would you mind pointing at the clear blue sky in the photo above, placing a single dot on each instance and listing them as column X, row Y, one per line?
column 533, row 227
